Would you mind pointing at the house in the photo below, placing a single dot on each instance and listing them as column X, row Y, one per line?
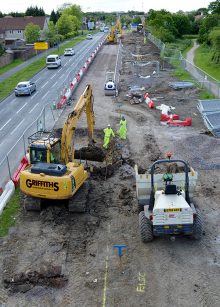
column 12, row 28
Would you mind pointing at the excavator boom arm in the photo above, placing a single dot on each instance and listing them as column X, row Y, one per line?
column 84, row 104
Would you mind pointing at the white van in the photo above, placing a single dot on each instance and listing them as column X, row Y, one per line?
column 53, row 61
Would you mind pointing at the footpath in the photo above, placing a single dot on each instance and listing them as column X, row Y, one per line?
column 12, row 71
column 204, row 79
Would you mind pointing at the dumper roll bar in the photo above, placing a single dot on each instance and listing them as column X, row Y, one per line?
column 152, row 170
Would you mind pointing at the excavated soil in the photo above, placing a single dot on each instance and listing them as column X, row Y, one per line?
column 60, row 259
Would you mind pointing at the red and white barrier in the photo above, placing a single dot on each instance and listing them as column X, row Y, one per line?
column 6, row 195
column 64, row 99
column 23, row 164
column 165, row 117
column 185, row 122
column 149, row 101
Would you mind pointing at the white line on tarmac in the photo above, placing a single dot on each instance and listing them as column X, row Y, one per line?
column 34, row 107
column 65, row 64
column 17, row 127
column 5, row 124
column 44, row 85
column 62, row 76
column 45, row 94
column 21, row 108
column 37, row 80
column 54, row 84
column 13, row 100
column 33, row 96
column 53, row 76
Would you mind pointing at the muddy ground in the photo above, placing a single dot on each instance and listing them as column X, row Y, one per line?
column 59, row 259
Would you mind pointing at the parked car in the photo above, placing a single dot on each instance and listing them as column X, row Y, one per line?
column 53, row 61
column 25, row 88
column 89, row 36
column 69, row 51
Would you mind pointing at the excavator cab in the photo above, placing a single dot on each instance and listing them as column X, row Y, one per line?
column 44, row 147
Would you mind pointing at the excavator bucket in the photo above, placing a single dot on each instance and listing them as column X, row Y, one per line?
column 90, row 153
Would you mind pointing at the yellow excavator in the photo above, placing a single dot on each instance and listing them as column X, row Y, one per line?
column 53, row 175
column 116, row 32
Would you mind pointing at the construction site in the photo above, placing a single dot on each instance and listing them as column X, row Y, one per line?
column 102, row 256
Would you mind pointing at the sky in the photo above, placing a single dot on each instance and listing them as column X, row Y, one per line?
column 106, row 5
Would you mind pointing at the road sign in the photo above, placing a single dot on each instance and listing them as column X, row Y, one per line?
column 40, row 45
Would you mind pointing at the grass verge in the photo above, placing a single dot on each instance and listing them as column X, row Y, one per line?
column 8, row 85
column 8, row 216
column 10, row 66
column 183, row 75
column 203, row 61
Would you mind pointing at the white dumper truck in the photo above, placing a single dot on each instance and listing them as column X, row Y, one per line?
column 165, row 202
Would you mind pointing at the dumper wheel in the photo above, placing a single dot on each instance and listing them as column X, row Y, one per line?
column 145, row 228
column 78, row 203
column 32, row 204
column 197, row 226
column 141, row 205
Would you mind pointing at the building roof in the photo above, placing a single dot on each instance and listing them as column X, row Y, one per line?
column 19, row 23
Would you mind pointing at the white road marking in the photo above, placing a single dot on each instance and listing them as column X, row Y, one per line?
column 54, row 84
column 17, row 127
column 62, row 76
column 45, row 94
column 34, row 107
column 5, row 124
column 53, row 76
column 37, row 80
column 66, row 64
column 33, row 95
column 21, row 108
column 44, row 85
column 13, row 99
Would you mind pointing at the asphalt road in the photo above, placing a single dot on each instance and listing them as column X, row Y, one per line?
column 12, row 71
column 19, row 113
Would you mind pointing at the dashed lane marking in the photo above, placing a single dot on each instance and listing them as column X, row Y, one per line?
column 5, row 124
column 33, row 108
column 17, row 127
column 21, row 108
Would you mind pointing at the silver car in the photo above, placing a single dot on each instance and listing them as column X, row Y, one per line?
column 69, row 51
column 25, row 88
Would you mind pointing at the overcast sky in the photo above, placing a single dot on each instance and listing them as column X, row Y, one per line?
column 106, row 5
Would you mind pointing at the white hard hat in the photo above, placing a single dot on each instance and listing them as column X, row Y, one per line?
column 109, row 125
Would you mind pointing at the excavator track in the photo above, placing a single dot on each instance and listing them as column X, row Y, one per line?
column 30, row 203
column 78, row 203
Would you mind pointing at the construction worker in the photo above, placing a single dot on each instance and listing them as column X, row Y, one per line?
column 123, row 128
column 108, row 133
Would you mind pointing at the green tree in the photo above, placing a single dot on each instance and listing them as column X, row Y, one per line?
column 207, row 25
column 1, row 15
column 214, row 7
column 214, row 37
column 54, row 17
column 136, row 20
column 201, row 10
column 32, row 33
column 34, row 11
column 164, row 20
column 110, row 19
column 182, row 24
column 74, row 10
column 16, row 14
column 51, row 35
column 65, row 24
